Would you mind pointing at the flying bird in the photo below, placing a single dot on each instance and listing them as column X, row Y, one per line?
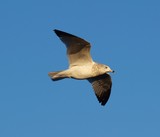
column 81, row 66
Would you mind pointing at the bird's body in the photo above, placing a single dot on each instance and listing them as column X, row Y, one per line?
column 80, row 72
column 81, row 66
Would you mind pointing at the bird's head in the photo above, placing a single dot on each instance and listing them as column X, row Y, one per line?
column 108, row 69
column 104, row 69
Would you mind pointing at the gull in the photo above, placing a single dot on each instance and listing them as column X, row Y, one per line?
column 81, row 66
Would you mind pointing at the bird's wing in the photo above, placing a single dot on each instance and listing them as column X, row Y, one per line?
column 102, row 86
column 78, row 50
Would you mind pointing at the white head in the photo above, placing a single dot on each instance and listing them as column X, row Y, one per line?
column 108, row 69
column 104, row 68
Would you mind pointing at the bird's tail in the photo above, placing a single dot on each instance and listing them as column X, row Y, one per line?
column 56, row 75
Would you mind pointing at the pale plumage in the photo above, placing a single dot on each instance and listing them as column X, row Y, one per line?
column 81, row 66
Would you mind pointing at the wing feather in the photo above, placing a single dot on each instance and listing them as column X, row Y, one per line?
column 78, row 50
column 102, row 86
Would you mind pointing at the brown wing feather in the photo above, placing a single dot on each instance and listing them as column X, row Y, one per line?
column 102, row 86
column 78, row 50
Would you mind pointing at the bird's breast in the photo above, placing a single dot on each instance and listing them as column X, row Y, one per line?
column 81, row 72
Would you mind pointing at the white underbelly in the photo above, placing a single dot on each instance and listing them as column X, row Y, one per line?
column 81, row 72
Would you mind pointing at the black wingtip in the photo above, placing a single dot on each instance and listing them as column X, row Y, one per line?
column 57, row 31
column 60, row 33
column 103, row 101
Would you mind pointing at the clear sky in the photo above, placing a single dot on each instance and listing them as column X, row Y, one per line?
column 124, row 35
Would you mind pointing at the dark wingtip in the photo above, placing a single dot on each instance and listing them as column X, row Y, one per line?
column 103, row 103
column 57, row 31
column 60, row 33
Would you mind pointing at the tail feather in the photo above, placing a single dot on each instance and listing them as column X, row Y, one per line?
column 53, row 76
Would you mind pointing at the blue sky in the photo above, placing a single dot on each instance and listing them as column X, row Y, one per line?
column 124, row 35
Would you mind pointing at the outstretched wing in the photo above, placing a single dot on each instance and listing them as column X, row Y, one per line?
column 102, row 86
column 78, row 50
